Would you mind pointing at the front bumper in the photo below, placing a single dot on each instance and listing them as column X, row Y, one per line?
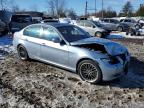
column 114, row 71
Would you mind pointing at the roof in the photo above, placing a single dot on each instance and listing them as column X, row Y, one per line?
column 56, row 24
column 53, row 24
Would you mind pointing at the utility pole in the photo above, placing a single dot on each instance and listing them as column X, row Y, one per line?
column 102, row 9
column 95, row 8
column 57, row 5
column 86, row 9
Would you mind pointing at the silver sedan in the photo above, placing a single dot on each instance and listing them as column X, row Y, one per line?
column 70, row 47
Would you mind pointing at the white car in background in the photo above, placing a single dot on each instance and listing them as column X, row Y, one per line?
column 94, row 28
column 65, row 20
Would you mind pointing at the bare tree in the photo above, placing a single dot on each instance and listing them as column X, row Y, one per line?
column 52, row 7
column 72, row 14
column 3, row 4
column 57, row 7
column 15, row 8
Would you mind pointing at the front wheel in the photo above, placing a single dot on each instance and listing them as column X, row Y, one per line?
column 98, row 34
column 22, row 53
column 89, row 71
column 120, row 29
column 137, row 26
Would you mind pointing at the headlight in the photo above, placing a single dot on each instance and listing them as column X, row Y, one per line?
column 111, row 60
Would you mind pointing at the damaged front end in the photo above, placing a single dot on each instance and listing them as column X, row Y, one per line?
column 116, row 53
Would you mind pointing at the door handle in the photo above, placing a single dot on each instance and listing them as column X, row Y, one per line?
column 26, row 39
column 43, row 44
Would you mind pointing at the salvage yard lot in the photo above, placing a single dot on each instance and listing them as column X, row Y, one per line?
column 33, row 84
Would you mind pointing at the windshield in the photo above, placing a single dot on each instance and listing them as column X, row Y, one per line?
column 98, row 24
column 73, row 33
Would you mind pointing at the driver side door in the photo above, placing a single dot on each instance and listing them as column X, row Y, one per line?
column 90, row 28
column 52, row 51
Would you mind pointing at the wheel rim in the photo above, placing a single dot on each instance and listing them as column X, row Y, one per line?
column 88, row 72
column 98, row 34
column 22, row 53
column 137, row 27
column 120, row 29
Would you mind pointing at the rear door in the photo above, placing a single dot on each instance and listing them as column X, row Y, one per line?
column 113, row 24
column 31, row 37
column 89, row 27
column 107, row 24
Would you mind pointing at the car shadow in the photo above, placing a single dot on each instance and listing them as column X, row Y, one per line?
column 134, row 78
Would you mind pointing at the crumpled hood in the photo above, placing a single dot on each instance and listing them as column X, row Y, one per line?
column 111, row 47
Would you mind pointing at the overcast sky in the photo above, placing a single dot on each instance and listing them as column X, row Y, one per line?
column 78, row 5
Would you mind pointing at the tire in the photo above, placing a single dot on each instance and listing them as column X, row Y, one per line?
column 98, row 34
column 120, row 29
column 127, row 33
column 22, row 53
column 137, row 34
column 86, row 74
column 137, row 26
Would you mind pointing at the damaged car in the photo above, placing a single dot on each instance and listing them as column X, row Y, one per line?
column 70, row 47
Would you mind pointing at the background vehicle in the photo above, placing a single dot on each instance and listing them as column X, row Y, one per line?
column 50, row 21
column 36, row 19
column 3, row 28
column 18, row 22
column 70, row 47
column 141, row 22
column 65, row 20
column 93, row 28
column 130, row 22
column 5, row 17
column 114, row 25
column 135, row 31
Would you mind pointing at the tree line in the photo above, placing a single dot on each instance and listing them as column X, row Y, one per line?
column 58, row 8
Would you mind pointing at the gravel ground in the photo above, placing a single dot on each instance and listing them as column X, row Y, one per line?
column 33, row 84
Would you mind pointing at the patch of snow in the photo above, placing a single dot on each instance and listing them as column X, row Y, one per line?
column 5, row 46
column 120, row 35
column 115, row 36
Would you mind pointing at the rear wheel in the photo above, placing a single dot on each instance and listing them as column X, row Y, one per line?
column 120, row 29
column 22, row 53
column 89, row 71
column 137, row 26
column 98, row 34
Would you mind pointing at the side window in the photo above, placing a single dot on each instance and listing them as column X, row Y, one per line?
column 112, row 21
column 127, row 20
column 21, row 19
column 87, row 24
column 121, row 20
column 33, row 31
column 106, row 20
column 49, row 34
column 80, row 23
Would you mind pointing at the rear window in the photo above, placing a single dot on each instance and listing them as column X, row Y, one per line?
column 21, row 18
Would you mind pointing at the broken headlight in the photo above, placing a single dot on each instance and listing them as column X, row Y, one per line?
column 111, row 60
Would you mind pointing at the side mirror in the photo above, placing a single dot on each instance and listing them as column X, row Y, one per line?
column 62, row 42
column 56, row 40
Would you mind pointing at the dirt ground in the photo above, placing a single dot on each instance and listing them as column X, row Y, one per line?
column 33, row 84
